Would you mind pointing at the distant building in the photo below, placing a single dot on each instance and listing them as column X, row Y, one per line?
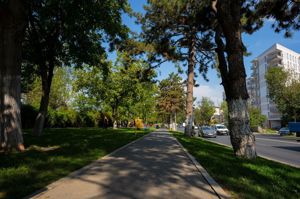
column 218, row 116
column 276, row 56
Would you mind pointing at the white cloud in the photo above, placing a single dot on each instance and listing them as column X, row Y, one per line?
column 215, row 93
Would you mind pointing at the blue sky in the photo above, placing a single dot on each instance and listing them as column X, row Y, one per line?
column 255, row 43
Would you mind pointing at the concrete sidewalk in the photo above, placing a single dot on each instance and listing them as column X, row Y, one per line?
column 153, row 167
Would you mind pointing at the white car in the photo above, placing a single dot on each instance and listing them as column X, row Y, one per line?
column 221, row 129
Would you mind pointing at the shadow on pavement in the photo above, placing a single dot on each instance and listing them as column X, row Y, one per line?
column 154, row 167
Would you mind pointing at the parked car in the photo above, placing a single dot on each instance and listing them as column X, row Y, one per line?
column 221, row 129
column 284, row 131
column 208, row 131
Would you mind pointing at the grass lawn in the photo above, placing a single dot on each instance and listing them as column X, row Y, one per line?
column 247, row 179
column 54, row 155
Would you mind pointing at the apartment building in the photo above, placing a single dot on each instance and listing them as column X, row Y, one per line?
column 275, row 56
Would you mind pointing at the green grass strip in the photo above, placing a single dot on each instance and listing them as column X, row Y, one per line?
column 246, row 179
column 56, row 154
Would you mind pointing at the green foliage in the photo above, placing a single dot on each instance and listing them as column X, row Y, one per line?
column 286, row 14
column 256, row 118
column 284, row 90
column 247, row 179
column 170, row 26
column 60, row 152
column 224, row 109
column 61, row 118
column 204, row 111
column 67, row 32
column 122, row 91
column 65, row 118
column 171, row 97
column 60, row 92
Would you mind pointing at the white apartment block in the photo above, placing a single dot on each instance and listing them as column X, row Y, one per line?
column 276, row 56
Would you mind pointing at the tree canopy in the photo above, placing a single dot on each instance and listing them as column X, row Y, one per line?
column 122, row 89
column 284, row 90
column 171, row 94
column 68, row 33
column 204, row 111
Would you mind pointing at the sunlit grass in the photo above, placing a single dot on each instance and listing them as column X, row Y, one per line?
column 54, row 155
column 249, row 179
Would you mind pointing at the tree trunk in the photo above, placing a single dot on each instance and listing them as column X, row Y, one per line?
column 46, row 75
column 171, row 122
column 190, row 86
column 13, row 21
column 234, row 77
column 175, row 122
column 242, row 139
column 114, row 118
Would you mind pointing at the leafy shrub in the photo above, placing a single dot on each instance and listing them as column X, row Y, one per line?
column 65, row 118
column 62, row 118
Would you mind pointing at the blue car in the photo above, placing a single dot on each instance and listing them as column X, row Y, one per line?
column 284, row 131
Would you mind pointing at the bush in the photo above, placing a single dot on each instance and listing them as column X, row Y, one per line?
column 61, row 118
column 65, row 118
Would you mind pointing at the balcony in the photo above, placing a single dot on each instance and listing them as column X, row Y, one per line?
column 275, row 63
column 274, row 116
column 276, row 55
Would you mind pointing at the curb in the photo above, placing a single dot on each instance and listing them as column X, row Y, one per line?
column 213, row 184
column 261, row 156
column 73, row 174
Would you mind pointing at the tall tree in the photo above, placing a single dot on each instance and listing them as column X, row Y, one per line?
column 232, row 17
column 172, row 27
column 171, row 98
column 63, row 32
column 284, row 90
column 206, row 111
column 256, row 118
column 120, row 88
column 13, row 20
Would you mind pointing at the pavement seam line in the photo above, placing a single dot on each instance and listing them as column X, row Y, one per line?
column 213, row 184
column 73, row 174
column 262, row 156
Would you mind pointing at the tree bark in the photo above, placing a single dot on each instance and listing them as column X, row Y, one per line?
column 114, row 117
column 175, row 121
column 234, row 77
column 46, row 75
column 190, row 86
column 13, row 21
column 171, row 122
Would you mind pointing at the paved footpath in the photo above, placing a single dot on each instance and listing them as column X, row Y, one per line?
column 153, row 167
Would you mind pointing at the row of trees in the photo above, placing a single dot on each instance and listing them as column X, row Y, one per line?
column 197, row 32
column 49, row 33
column 120, row 94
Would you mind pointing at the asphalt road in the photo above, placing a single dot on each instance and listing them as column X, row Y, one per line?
column 281, row 149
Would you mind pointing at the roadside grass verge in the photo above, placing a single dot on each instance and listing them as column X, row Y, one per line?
column 269, row 131
column 248, row 179
column 56, row 154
